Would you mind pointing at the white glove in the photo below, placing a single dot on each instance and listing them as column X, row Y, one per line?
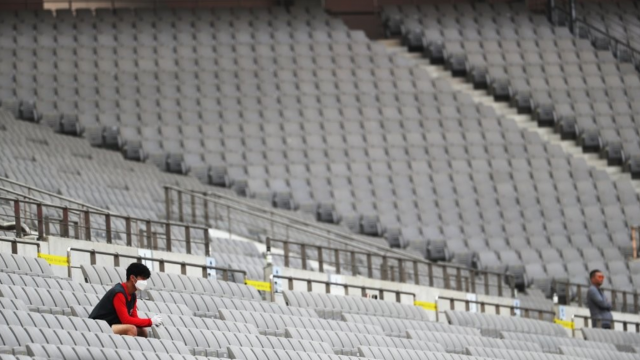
column 156, row 320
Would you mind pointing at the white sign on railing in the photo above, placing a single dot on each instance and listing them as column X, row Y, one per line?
column 148, row 254
column 211, row 273
column 473, row 306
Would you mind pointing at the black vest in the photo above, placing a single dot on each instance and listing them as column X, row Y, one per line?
column 105, row 310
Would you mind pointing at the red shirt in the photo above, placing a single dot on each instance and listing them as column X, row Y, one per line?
column 120, row 305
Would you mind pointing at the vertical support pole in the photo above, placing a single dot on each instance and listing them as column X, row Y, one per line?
column 287, row 254
column 148, row 230
column 167, row 236
column 472, row 280
column 459, row 279
column 634, row 241
column 384, row 268
column 40, row 222
column 205, row 204
column 167, row 202
column 127, row 226
column 337, row 254
column 87, row 225
column 572, row 4
column 551, row 4
column 107, row 225
column 430, row 269
column 500, row 280
column 193, row 208
column 320, row 259
column 180, row 211
column 65, row 222
column 187, row 238
column 402, row 275
column 369, row 266
column 416, row 275
column 303, row 255
column 354, row 265
column 207, row 243
column 486, row 283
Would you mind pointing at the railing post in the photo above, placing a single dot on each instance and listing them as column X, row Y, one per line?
column 459, row 279
column 107, row 226
column 369, row 266
column 149, row 239
column 127, row 226
column 445, row 275
column 354, row 265
column 579, row 290
column 486, row 283
column 635, row 301
column 383, row 269
column 416, row 275
column 572, row 4
column 634, row 241
column 337, row 255
column 40, row 217
column 287, row 254
column 430, row 270
column 167, row 202
column 402, row 276
column 193, row 208
column 205, row 204
column 65, row 222
column 167, row 236
column 303, row 256
column 207, row 243
column 187, row 238
column 500, row 280
column 320, row 259
column 180, row 211
column 87, row 225
column 472, row 280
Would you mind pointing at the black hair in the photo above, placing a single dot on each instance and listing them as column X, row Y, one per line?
column 138, row 270
column 593, row 273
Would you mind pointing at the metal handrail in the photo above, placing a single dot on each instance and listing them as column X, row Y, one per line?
column 183, row 265
column 47, row 193
column 574, row 20
column 15, row 242
column 634, row 295
column 524, row 311
column 329, row 284
column 85, row 216
column 586, row 321
column 449, row 270
column 267, row 213
column 117, row 4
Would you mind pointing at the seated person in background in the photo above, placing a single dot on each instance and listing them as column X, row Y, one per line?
column 118, row 306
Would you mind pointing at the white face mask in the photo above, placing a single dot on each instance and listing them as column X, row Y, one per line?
column 141, row 285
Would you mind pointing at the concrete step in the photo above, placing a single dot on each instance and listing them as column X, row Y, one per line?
column 525, row 122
